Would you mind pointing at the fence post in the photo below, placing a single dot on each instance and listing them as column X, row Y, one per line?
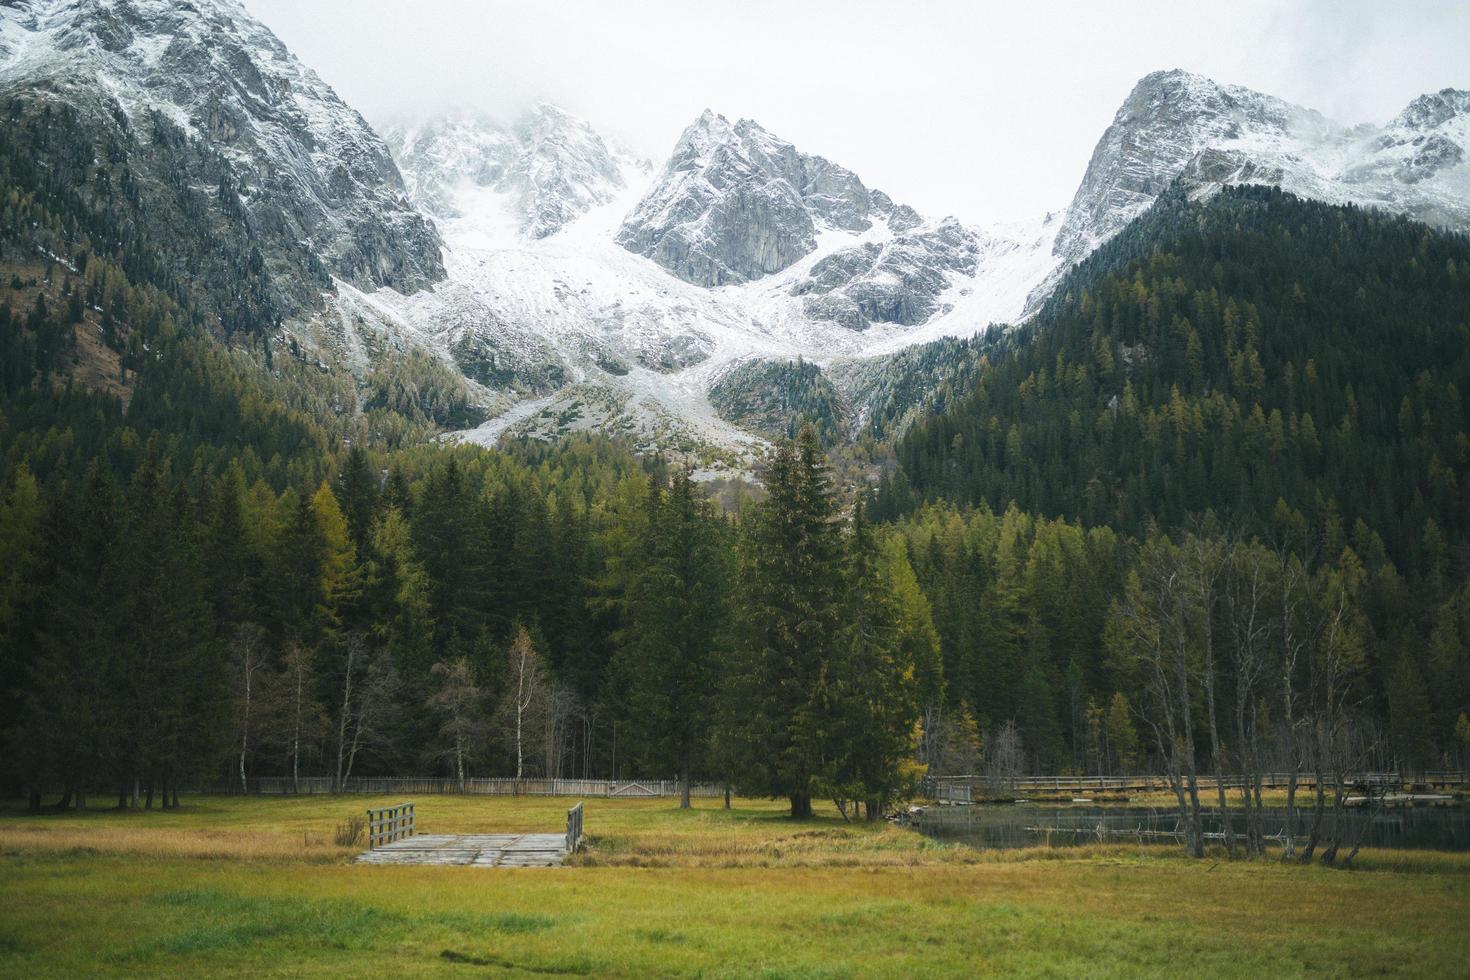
column 574, row 828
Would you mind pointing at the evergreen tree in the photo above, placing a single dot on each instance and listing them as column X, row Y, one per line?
column 788, row 629
column 872, row 686
column 675, row 623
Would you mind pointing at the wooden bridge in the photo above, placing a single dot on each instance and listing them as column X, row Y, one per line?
column 392, row 840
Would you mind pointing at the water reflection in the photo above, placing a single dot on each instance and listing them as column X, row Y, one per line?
column 1445, row 828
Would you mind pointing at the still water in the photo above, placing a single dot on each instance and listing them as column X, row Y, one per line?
column 1445, row 828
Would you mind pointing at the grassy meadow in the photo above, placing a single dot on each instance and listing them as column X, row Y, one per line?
column 256, row 887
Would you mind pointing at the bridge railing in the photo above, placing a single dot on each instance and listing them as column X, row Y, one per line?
column 388, row 824
column 574, row 828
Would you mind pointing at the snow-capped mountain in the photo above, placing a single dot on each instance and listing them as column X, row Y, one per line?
column 305, row 167
column 1175, row 124
column 734, row 203
column 571, row 284
column 595, row 333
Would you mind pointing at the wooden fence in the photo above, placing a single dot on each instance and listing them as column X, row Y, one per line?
column 1148, row 783
column 390, row 823
column 952, row 792
column 497, row 786
column 574, row 828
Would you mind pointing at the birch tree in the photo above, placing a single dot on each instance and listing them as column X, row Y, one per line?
column 526, row 689
column 248, row 660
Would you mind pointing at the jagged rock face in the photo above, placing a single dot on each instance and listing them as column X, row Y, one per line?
column 554, row 166
column 1167, row 120
column 306, row 168
column 734, row 203
column 899, row 281
column 716, row 215
column 1178, row 125
column 1417, row 163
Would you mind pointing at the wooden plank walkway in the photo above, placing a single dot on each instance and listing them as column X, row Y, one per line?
column 479, row 850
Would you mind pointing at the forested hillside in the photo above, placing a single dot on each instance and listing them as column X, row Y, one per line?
column 1267, row 374
column 1236, row 439
column 1228, row 354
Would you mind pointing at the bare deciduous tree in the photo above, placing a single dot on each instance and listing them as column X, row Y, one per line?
column 1248, row 593
column 1203, row 562
column 459, row 702
column 1005, row 757
column 376, row 718
column 559, row 711
column 1149, row 635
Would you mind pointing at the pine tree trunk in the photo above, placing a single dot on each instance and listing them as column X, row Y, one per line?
column 33, row 803
column 727, row 796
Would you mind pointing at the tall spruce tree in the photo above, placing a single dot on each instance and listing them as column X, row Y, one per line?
column 675, row 620
column 872, row 688
column 788, row 629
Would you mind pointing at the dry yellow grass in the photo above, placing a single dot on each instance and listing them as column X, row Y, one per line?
column 148, row 842
column 236, row 887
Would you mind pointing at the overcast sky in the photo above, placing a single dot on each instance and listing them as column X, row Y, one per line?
column 985, row 110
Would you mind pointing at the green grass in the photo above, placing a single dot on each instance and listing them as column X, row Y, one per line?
column 254, row 887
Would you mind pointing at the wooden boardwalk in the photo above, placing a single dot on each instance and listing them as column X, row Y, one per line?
column 479, row 850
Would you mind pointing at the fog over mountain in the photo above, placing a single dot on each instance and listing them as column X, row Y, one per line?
column 931, row 101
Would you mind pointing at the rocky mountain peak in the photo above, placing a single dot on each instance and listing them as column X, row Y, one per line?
column 1432, row 110
column 309, row 169
column 1166, row 121
column 735, row 203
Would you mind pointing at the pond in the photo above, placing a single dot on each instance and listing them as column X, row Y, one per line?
column 1440, row 827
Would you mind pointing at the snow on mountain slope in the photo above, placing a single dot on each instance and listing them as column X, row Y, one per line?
column 589, row 333
column 1176, row 124
column 572, row 285
column 773, row 254
column 554, row 166
column 307, row 167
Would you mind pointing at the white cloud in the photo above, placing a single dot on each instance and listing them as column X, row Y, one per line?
column 987, row 110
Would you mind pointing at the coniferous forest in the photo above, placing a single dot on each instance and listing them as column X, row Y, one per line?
column 1210, row 511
